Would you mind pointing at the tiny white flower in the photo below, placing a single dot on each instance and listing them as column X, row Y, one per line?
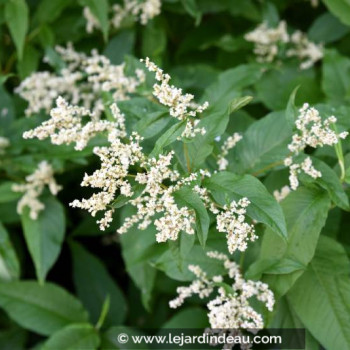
column 228, row 310
column 34, row 187
column 312, row 132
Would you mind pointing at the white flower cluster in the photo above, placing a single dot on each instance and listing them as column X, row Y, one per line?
column 34, row 187
column 71, row 123
column 204, row 195
column 228, row 145
column 155, row 198
column 283, row 193
column 92, row 22
column 143, row 11
column 181, row 106
column 232, row 222
column 267, row 41
column 158, row 198
column 111, row 177
column 4, row 143
column 231, row 308
column 313, row 132
column 306, row 51
column 67, row 125
column 82, row 82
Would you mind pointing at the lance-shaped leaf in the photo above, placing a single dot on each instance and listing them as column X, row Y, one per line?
column 74, row 337
column 44, row 236
column 94, row 284
column 41, row 309
column 283, row 261
column 16, row 16
column 9, row 264
column 321, row 297
column 263, row 147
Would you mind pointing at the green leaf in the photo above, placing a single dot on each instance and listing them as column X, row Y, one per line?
column 121, row 200
column 119, row 46
column 181, row 247
column 196, row 77
column 330, row 182
column 229, row 85
column 190, row 199
column 139, row 248
column 245, row 8
column 167, row 138
column 196, row 256
column 336, row 76
column 17, row 19
column 270, row 14
column 292, row 110
column 263, row 207
column 263, row 146
column 29, row 62
column 54, row 59
column 8, row 213
column 152, row 124
column 201, row 146
column 151, row 118
column 41, row 309
column 192, row 317
column 46, row 36
column 285, row 317
column 321, row 297
column 238, row 103
column 94, row 283
column 54, row 8
column 74, row 337
column 198, row 151
column 9, row 264
column 45, row 235
column 327, row 29
column 154, row 39
column 215, row 125
column 140, row 107
column 283, row 261
column 340, row 8
column 6, row 193
column 99, row 8
column 287, row 78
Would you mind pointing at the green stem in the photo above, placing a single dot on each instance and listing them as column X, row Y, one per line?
column 241, row 260
column 188, row 163
column 104, row 312
column 339, row 152
column 268, row 167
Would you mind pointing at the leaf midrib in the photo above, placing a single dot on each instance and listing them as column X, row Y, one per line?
column 17, row 298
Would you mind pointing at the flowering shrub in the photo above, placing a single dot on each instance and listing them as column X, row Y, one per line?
column 173, row 164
